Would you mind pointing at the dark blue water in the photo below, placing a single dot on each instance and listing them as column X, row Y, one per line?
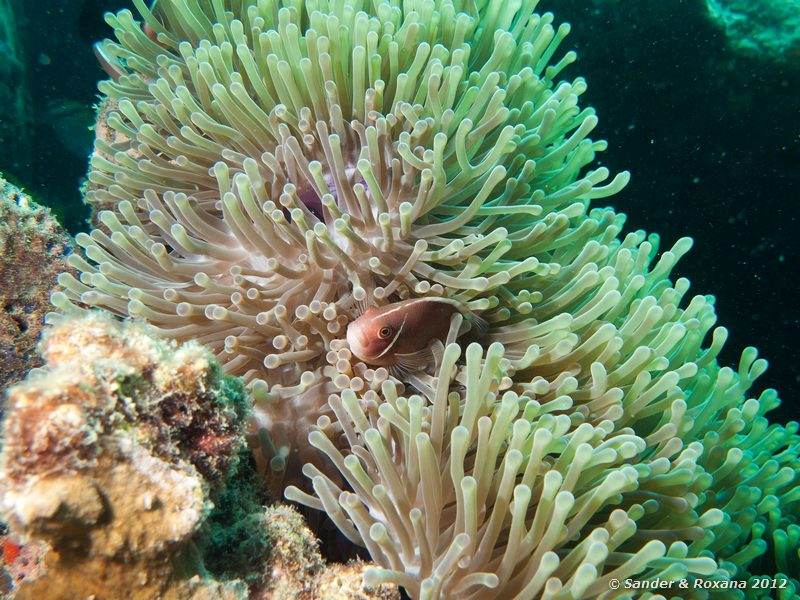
column 713, row 141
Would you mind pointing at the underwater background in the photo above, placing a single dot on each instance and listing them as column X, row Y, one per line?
column 697, row 99
column 708, row 125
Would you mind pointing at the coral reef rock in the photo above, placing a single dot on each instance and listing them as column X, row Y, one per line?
column 18, row 562
column 296, row 569
column 766, row 28
column 33, row 249
column 114, row 453
column 111, row 453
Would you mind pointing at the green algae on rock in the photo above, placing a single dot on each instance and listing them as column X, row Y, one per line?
column 768, row 29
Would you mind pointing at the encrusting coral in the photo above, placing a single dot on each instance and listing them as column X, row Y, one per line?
column 296, row 569
column 19, row 561
column 103, row 461
column 277, row 165
column 33, row 251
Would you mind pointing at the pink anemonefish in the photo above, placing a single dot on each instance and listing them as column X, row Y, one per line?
column 399, row 335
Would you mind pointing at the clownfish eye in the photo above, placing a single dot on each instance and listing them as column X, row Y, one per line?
column 385, row 332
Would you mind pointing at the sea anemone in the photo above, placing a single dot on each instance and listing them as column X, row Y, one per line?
column 487, row 490
column 484, row 494
column 271, row 167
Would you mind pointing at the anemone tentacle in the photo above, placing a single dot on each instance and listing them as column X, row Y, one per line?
column 270, row 166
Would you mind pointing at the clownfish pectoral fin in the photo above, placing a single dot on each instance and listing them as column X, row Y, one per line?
column 415, row 361
column 480, row 327
column 398, row 372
